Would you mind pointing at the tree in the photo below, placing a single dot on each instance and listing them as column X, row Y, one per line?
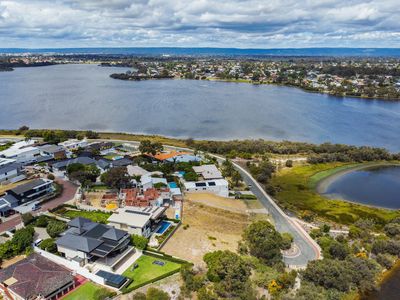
column 48, row 245
column 42, row 221
column 230, row 275
column 139, row 241
column 264, row 242
column 339, row 250
column 85, row 174
column 116, row 178
column 147, row 147
column 27, row 218
column 328, row 273
column 392, row 229
column 55, row 228
column 287, row 240
column 22, row 239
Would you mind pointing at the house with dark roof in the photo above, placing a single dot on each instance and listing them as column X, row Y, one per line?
column 32, row 190
column 85, row 241
column 36, row 277
column 84, row 160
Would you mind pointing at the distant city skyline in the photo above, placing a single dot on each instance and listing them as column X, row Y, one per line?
column 201, row 23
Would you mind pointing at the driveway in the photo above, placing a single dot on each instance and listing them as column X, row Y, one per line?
column 67, row 195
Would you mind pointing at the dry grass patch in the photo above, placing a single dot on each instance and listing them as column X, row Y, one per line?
column 233, row 205
column 200, row 222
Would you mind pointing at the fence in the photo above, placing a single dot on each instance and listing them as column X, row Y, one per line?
column 70, row 265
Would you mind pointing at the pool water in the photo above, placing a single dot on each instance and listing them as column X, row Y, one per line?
column 164, row 226
column 172, row 185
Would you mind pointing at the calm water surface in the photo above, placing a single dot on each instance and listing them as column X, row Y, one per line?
column 84, row 97
column 378, row 186
column 390, row 288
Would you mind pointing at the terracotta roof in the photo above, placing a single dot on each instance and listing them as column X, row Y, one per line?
column 164, row 156
column 34, row 276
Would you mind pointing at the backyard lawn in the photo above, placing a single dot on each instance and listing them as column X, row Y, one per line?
column 148, row 271
column 95, row 216
column 86, row 291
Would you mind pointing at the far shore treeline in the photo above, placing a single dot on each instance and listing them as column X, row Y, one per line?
column 321, row 153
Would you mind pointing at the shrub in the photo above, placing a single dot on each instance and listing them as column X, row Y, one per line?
column 42, row 221
column 48, row 245
column 55, row 228
column 50, row 176
column 27, row 218
column 139, row 241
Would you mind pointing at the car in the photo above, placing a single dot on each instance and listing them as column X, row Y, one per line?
column 37, row 242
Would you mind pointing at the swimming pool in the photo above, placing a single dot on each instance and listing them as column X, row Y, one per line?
column 164, row 226
column 172, row 185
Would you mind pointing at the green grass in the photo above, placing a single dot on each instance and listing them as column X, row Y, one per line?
column 297, row 193
column 86, row 291
column 95, row 216
column 111, row 156
column 148, row 271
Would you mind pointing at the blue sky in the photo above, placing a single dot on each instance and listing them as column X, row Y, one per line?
column 200, row 23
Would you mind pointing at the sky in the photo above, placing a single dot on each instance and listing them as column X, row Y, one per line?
column 199, row 23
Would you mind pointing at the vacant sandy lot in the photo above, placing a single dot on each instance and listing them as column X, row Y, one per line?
column 232, row 205
column 209, row 227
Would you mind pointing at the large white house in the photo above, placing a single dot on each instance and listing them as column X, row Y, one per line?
column 137, row 220
column 74, row 144
column 22, row 152
column 208, row 172
column 217, row 186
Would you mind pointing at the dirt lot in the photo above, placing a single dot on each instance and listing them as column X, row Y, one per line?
column 215, row 223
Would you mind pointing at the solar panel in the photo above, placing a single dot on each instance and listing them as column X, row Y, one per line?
column 200, row 184
column 211, row 183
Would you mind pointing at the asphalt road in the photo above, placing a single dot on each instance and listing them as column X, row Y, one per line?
column 307, row 248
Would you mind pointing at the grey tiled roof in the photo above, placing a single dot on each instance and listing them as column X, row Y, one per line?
column 77, row 242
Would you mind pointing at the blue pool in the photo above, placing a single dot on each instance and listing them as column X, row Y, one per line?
column 164, row 227
column 172, row 185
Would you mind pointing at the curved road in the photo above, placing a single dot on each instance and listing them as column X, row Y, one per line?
column 305, row 248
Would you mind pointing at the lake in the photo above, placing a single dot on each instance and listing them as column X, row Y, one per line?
column 390, row 287
column 377, row 186
column 84, row 97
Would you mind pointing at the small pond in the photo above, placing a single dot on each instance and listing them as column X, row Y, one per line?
column 376, row 186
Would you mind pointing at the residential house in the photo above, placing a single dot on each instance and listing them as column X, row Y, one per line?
column 86, row 241
column 73, row 144
column 62, row 165
column 208, row 172
column 138, row 220
column 36, row 277
column 22, row 152
column 218, row 187
column 32, row 190
column 9, row 171
column 53, row 151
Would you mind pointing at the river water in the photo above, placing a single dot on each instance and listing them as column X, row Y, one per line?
column 84, row 97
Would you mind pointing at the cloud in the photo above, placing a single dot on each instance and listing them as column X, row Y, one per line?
column 199, row 23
